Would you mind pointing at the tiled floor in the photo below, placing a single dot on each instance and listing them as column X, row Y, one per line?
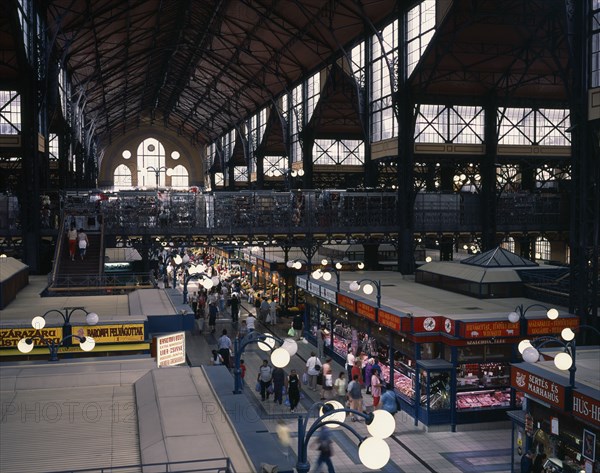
column 412, row 449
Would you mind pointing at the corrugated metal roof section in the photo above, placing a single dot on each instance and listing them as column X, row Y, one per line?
column 45, row 430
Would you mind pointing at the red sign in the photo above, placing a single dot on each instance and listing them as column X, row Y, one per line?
column 365, row 310
column 489, row 329
column 538, row 387
column 428, row 324
column 388, row 320
column 586, row 407
column 346, row 302
column 547, row 326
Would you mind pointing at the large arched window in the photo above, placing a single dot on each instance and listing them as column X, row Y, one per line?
column 542, row 249
column 180, row 177
column 122, row 177
column 151, row 163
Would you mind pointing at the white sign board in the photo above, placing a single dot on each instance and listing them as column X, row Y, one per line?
column 170, row 349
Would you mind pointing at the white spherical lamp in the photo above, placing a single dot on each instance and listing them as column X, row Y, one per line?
column 368, row 289
column 513, row 317
column 360, row 265
column 317, row 273
column 552, row 314
column 523, row 345
column 289, row 264
column 25, row 345
column 267, row 344
column 374, row 453
column 563, row 361
column 280, row 357
column 354, row 286
column 567, row 334
column 383, row 424
column 38, row 322
column 327, row 276
column 290, row 345
column 324, row 261
column 88, row 344
column 330, row 406
column 531, row 355
column 91, row 318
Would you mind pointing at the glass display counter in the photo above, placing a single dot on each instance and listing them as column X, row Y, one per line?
column 486, row 399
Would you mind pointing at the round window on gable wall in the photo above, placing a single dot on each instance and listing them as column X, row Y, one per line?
column 151, row 148
column 175, row 155
column 126, row 154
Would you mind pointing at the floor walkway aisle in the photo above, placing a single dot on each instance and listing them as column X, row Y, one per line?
column 412, row 449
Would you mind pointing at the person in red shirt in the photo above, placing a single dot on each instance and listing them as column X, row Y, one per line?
column 357, row 370
column 243, row 369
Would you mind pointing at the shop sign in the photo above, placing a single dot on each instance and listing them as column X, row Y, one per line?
column 252, row 259
column 301, row 283
column 170, row 349
column 314, row 288
column 328, row 294
column 9, row 337
column 346, row 302
column 489, row 329
column 547, row 326
column 388, row 320
column 427, row 324
column 540, row 388
column 366, row 310
column 586, row 407
column 110, row 333
column 499, row 341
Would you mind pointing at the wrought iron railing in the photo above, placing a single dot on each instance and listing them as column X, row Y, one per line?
column 104, row 281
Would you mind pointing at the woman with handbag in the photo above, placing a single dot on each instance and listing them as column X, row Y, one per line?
column 293, row 389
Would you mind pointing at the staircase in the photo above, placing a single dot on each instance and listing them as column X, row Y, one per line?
column 80, row 273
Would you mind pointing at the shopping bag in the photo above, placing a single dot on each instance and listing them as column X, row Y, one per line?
column 257, row 387
column 305, row 378
column 291, row 332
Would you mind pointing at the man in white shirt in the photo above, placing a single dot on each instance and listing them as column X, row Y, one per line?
column 313, row 368
column 224, row 346
column 350, row 360
column 250, row 322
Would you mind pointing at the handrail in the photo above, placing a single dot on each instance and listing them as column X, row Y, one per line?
column 226, row 467
column 101, row 254
column 58, row 252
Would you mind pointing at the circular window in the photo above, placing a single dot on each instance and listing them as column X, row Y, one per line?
column 126, row 154
column 175, row 155
column 151, row 148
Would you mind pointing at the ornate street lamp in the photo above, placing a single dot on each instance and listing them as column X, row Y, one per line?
column 335, row 269
column 368, row 288
column 373, row 451
column 565, row 360
column 193, row 271
column 26, row 345
column 280, row 357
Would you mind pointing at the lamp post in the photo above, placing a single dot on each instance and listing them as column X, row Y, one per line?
column 192, row 271
column 158, row 170
column 373, row 451
column 280, row 356
column 25, row 345
column 335, row 269
column 367, row 288
column 564, row 361
column 297, row 264
column 518, row 315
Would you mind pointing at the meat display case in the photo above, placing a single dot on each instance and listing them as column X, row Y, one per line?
column 488, row 399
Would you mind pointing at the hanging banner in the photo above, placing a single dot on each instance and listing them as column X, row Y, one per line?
column 9, row 337
column 366, row 310
column 110, row 333
column 346, row 302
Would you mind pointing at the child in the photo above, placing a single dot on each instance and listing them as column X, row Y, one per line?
column 243, row 369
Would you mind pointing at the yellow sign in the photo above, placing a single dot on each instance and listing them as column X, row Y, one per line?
column 9, row 337
column 110, row 333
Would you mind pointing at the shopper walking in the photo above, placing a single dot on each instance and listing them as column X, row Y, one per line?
column 350, row 360
column 313, row 368
column 278, row 378
column 355, row 396
column 235, row 307
column 82, row 242
column 293, row 389
column 325, row 448
column 265, row 374
column 320, row 336
column 340, row 387
column 224, row 347
column 72, row 237
column 212, row 316
column 375, row 388
column 327, row 382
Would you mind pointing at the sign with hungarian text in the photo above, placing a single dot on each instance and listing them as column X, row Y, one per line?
column 346, row 302
column 170, row 349
column 9, row 337
column 547, row 326
column 116, row 333
column 586, row 408
column 388, row 320
column 489, row 329
column 366, row 310
column 540, row 388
